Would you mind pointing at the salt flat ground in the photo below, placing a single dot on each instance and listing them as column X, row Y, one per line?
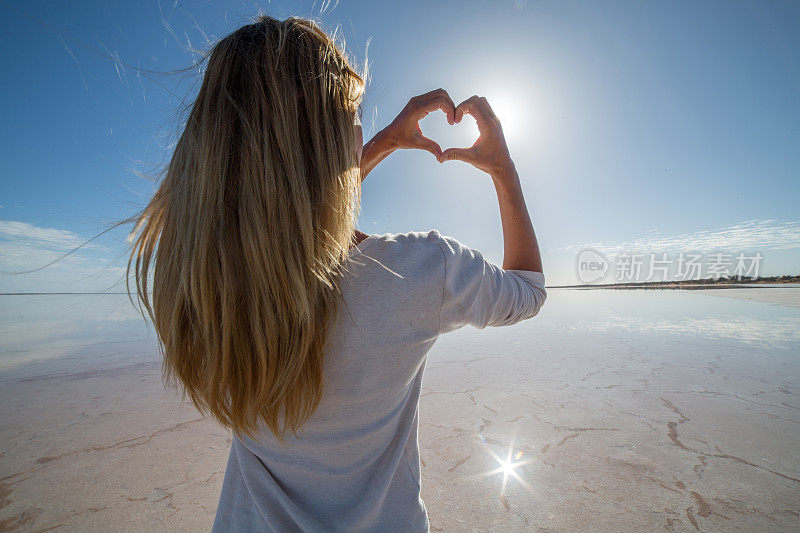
column 611, row 411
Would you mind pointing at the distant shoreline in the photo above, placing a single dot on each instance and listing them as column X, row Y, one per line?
column 722, row 283
column 54, row 293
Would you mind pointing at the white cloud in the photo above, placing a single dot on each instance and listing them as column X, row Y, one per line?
column 25, row 249
column 54, row 238
column 748, row 235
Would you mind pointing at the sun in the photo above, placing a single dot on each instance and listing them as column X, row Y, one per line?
column 512, row 112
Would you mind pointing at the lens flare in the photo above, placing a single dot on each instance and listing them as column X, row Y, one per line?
column 508, row 466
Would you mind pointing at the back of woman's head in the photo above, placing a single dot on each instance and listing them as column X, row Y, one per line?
column 237, row 256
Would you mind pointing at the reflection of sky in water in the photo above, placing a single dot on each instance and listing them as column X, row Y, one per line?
column 587, row 318
column 751, row 330
column 673, row 313
column 106, row 328
column 46, row 327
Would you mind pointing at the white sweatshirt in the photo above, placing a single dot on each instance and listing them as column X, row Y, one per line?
column 355, row 463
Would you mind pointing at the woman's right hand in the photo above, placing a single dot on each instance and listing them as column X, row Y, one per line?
column 490, row 152
column 404, row 131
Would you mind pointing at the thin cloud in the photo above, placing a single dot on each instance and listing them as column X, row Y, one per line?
column 22, row 232
column 747, row 235
column 26, row 248
column 39, row 259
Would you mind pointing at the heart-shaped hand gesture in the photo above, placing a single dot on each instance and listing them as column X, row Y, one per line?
column 404, row 131
column 490, row 152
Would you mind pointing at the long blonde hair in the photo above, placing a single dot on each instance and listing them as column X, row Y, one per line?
column 246, row 237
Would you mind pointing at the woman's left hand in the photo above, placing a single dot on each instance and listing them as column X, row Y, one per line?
column 404, row 131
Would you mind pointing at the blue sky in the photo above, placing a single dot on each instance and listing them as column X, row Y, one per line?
column 664, row 127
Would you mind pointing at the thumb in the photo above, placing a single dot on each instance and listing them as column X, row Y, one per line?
column 431, row 146
column 459, row 154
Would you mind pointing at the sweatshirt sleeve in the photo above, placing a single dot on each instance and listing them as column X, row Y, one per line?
column 479, row 293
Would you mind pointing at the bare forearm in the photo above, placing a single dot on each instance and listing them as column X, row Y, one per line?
column 520, row 248
column 490, row 154
column 375, row 151
column 404, row 131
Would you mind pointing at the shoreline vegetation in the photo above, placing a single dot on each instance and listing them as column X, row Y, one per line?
column 689, row 284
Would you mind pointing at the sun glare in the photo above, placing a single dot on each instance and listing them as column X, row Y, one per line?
column 508, row 105
column 508, row 466
column 512, row 112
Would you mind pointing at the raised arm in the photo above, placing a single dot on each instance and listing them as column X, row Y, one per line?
column 404, row 131
column 490, row 154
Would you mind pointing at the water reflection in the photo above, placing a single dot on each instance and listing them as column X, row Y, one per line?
column 37, row 329
column 774, row 332
column 605, row 397
column 508, row 465
column 701, row 316
column 106, row 327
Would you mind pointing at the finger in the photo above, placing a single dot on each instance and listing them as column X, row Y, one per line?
column 447, row 105
column 431, row 146
column 431, row 101
column 487, row 109
column 458, row 154
column 463, row 107
column 479, row 108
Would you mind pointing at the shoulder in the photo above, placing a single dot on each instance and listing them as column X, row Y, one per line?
column 427, row 238
column 429, row 243
column 431, row 240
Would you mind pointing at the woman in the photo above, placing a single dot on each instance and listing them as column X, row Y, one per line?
column 303, row 335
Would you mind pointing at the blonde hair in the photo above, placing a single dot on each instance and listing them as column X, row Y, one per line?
column 245, row 238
